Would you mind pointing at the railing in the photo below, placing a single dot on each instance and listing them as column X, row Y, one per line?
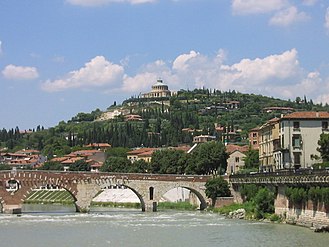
column 290, row 172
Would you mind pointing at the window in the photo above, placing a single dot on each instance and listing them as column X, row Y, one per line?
column 237, row 159
column 296, row 125
column 296, row 141
column 254, row 142
column 325, row 125
column 254, row 134
column 282, row 141
column 297, row 159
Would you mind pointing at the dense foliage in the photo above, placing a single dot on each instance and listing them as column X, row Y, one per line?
column 261, row 199
column 298, row 196
column 217, row 187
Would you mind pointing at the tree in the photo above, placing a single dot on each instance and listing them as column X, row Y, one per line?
column 116, row 164
column 264, row 203
column 217, row 187
column 208, row 158
column 252, row 159
column 324, row 146
column 4, row 166
column 139, row 166
column 51, row 165
column 168, row 162
column 80, row 165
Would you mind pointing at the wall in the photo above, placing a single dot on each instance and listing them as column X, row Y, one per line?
column 307, row 215
column 223, row 201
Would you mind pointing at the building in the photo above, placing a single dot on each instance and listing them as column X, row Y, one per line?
column 235, row 161
column 299, row 135
column 253, row 138
column 140, row 153
column 268, row 143
column 203, row 138
column 23, row 159
column 159, row 90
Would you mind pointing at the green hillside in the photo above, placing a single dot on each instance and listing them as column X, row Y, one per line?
column 160, row 122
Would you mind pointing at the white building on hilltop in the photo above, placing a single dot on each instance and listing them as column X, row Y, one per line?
column 159, row 90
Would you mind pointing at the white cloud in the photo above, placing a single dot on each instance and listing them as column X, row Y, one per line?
column 195, row 70
column 326, row 23
column 14, row 72
column 91, row 3
column 278, row 75
column 181, row 62
column 245, row 7
column 97, row 73
column 288, row 16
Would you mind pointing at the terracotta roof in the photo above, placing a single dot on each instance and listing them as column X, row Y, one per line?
column 230, row 148
column 307, row 115
column 146, row 154
column 71, row 160
column 59, row 159
column 139, row 151
column 99, row 145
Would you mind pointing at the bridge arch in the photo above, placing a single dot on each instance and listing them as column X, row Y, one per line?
column 199, row 195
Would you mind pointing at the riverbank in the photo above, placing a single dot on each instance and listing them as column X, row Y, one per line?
column 246, row 211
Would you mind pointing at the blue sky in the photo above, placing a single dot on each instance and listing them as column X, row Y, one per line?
column 62, row 57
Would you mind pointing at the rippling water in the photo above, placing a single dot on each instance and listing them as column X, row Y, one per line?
column 64, row 227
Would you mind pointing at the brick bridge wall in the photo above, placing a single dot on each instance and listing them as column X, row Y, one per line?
column 83, row 186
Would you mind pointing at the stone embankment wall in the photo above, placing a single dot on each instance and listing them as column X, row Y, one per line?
column 223, row 201
column 308, row 215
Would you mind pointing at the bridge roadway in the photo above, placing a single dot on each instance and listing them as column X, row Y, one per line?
column 16, row 185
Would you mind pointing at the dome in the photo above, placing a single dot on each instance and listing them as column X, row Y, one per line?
column 159, row 83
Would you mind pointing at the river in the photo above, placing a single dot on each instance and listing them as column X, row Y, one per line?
column 54, row 226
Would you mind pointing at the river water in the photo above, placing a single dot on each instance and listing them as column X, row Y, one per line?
column 54, row 226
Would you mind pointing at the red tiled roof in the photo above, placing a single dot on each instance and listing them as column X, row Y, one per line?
column 99, row 145
column 230, row 148
column 139, row 151
column 146, row 154
column 307, row 115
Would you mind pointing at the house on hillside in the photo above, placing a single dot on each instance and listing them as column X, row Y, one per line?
column 98, row 146
column 140, row 153
column 23, row 159
column 95, row 158
column 203, row 138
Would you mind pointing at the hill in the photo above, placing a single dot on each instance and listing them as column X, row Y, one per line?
column 160, row 121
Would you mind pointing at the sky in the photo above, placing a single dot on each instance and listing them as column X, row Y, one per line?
column 62, row 57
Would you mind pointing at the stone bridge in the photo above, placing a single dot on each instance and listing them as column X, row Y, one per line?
column 16, row 185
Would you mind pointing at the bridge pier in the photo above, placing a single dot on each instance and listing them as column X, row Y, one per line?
column 12, row 209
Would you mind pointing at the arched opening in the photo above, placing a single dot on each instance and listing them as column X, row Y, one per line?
column 182, row 198
column 49, row 198
column 114, row 197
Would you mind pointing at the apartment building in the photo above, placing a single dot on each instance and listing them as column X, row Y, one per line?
column 299, row 134
column 268, row 143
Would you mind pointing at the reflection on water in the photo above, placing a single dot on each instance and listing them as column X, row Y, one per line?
column 54, row 225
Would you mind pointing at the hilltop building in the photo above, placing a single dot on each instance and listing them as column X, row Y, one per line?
column 159, row 90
